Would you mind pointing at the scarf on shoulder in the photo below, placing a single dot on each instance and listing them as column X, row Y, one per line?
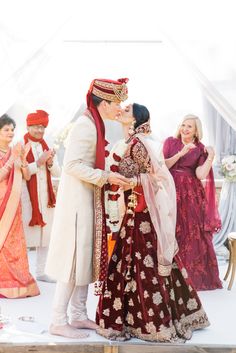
column 37, row 218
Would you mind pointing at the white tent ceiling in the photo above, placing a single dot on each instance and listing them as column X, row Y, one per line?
column 50, row 50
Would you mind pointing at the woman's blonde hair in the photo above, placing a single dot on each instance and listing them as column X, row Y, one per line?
column 199, row 133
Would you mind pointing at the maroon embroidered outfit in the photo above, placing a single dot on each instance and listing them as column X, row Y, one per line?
column 136, row 300
column 197, row 216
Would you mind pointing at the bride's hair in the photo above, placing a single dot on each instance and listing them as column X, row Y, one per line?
column 141, row 114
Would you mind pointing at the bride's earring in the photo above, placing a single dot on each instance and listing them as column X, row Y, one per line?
column 131, row 128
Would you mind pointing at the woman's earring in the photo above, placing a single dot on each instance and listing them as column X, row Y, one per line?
column 131, row 128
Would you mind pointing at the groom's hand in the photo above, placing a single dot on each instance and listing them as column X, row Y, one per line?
column 118, row 179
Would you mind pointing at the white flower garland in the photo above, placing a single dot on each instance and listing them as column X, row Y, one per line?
column 228, row 168
column 114, row 207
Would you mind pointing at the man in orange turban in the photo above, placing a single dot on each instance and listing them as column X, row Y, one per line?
column 78, row 247
column 38, row 197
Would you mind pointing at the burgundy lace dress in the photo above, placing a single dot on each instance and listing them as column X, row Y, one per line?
column 195, row 228
column 136, row 301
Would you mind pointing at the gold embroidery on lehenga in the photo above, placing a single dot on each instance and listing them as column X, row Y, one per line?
column 118, row 320
column 106, row 312
column 149, row 244
column 130, row 318
column 184, row 273
column 154, row 280
column 192, row 304
column 139, row 315
column 150, row 312
column 150, row 327
column 117, row 305
column 157, row 298
column 148, row 261
column 142, row 275
column 172, row 294
column 180, row 301
column 131, row 303
column 178, row 284
column 145, row 227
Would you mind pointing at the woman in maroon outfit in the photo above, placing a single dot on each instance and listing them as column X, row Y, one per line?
column 147, row 293
column 189, row 162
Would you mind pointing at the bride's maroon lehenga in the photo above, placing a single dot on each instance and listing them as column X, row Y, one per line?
column 145, row 305
column 195, row 225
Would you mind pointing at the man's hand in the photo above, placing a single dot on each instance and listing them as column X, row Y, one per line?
column 118, row 179
column 24, row 152
column 50, row 160
column 45, row 157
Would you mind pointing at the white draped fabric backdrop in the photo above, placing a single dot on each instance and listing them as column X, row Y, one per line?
column 223, row 137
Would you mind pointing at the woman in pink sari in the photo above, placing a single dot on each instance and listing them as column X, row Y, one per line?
column 147, row 293
column 15, row 279
column 190, row 162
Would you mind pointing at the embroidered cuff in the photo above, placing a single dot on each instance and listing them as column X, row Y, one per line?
column 103, row 179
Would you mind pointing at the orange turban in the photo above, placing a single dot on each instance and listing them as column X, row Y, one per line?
column 38, row 118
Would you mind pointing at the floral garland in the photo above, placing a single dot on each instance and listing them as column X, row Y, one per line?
column 112, row 204
column 228, row 168
column 61, row 137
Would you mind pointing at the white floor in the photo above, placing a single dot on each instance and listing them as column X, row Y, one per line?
column 220, row 306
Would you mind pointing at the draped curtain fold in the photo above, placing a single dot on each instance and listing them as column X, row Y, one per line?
column 223, row 137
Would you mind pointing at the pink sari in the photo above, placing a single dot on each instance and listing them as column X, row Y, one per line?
column 15, row 278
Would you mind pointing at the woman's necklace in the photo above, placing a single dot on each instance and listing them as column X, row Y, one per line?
column 186, row 143
column 3, row 150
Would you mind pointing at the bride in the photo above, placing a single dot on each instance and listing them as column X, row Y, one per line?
column 147, row 293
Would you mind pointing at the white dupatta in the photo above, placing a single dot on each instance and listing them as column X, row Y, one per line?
column 160, row 196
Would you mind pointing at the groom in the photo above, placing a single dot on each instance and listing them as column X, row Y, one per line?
column 76, row 257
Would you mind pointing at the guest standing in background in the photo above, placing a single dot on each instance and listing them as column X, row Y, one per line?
column 38, row 196
column 15, row 278
column 189, row 162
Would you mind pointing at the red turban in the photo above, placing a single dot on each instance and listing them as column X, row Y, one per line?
column 38, row 118
column 113, row 91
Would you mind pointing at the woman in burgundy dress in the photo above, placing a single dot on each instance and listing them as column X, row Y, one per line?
column 147, row 293
column 189, row 162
